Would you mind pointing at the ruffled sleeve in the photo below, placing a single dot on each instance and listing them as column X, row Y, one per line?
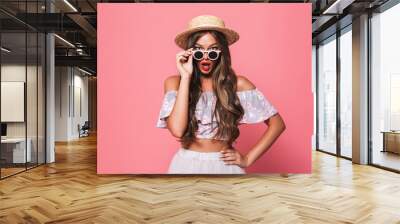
column 256, row 106
column 166, row 108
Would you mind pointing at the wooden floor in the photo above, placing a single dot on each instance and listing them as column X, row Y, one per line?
column 70, row 191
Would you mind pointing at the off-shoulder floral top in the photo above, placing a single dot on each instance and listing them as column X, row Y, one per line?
column 256, row 109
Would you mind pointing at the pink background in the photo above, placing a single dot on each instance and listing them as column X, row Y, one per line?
column 136, row 52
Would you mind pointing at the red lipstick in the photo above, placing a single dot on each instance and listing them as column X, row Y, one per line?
column 205, row 65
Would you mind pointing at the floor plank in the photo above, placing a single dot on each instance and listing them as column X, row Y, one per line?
column 70, row 191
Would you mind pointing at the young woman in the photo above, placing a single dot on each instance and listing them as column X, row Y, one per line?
column 206, row 102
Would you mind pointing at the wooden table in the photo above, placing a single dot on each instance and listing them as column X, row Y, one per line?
column 391, row 141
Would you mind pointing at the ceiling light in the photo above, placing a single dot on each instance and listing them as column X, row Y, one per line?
column 84, row 71
column 64, row 40
column 70, row 5
column 5, row 50
column 338, row 6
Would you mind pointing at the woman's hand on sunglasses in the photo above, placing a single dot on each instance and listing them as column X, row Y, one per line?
column 184, row 63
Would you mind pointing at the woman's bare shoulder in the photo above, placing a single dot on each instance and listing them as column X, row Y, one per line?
column 172, row 82
column 244, row 83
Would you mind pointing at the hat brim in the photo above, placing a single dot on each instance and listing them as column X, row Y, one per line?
column 231, row 35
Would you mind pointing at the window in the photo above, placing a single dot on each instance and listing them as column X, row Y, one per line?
column 327, row 95
column 385, row 89
column 22, row 78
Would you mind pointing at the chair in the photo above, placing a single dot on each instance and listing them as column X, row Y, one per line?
column 84, row 130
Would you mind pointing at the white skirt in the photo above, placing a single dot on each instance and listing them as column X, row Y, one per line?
column 186, row 161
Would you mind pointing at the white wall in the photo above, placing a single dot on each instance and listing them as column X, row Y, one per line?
column 71, row 93
column 61, row 103
column 34, row 126
column 314, row 91
column 16, row 72
column 80, row 97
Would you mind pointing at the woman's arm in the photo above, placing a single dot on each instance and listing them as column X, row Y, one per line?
column 276, row 126
column 275, row 129
column 178, row 119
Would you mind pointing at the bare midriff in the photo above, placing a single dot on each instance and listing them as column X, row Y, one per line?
column 207, row 145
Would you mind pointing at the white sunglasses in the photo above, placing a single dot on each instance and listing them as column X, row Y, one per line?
column 212, row 54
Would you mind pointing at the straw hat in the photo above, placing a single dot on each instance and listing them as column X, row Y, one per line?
column 206, row 22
